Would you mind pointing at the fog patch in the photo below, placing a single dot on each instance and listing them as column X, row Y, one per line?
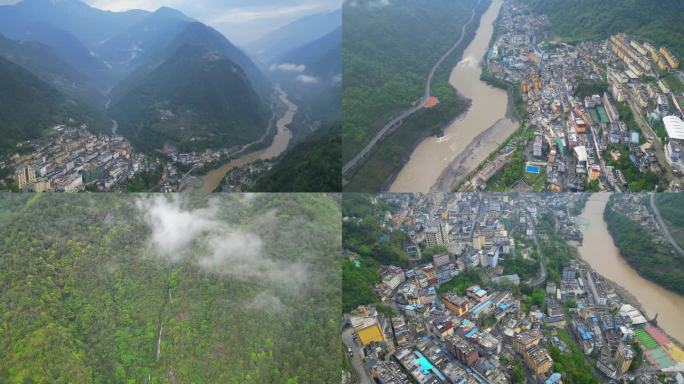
column 288, row 67
column 174, row 228
column 265, row 302
column 199, row 236
column 306, row 79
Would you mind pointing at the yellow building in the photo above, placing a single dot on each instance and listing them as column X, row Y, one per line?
column 456, row 304
column 526, row 340
column 364, row 320
column 623, row 358
column 25, row 175
column 538, row 360
column 670, row 57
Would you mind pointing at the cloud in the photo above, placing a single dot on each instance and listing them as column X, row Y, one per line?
column 307, row 79
column 241, row 21
column 173, row 228
column 266, row 302
column 287, row 67
column 199, row 236
column 369, row 3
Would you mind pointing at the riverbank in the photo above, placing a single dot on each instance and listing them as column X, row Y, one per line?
column 600, row 252
column 281, row 139
column 433, row 156
column 380, row 169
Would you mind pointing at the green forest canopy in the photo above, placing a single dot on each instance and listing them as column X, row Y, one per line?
column 83, row 294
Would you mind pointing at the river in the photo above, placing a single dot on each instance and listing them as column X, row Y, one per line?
column 280, row 143
column 600, row 252
column 487, row 110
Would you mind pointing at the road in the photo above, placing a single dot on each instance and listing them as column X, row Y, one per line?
column 357, row 362
column 542, row 267
column 662, row 225
column 398, row 121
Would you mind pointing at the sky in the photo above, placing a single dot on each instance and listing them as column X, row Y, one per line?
column 241, row 21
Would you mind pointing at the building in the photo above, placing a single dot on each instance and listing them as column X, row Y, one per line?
column 440, row 259
column 392, row 276
column 365, row 322
column 673, row 150
column 526, row 340
column 538, row 360
column 436, row 233
column 24, row 176
column 463, row 350
column 493, row 256
column 456, row 304
column 623, row 358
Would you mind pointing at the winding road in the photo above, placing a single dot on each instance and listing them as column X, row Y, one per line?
column 662, row 225
column 542, row 267
column 398, row 121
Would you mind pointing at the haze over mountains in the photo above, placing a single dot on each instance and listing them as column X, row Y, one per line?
column 138, row 65
column 161, row 77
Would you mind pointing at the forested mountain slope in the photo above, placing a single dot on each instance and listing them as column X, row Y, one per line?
column 111, row 288
column 657, row 20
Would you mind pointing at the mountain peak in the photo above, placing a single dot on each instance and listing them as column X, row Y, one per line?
column 168, row 12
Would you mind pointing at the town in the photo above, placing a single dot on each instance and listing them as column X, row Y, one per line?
column 491, row 291
column 595, row 116
column 71, row 158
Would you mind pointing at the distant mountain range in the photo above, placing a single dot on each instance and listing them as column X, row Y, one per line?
column 312, row 76
column 296, row 34
column 99, row 58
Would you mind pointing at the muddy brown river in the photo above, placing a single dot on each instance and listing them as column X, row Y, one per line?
column 280, row 142
column 600, row 252
column 488, row 106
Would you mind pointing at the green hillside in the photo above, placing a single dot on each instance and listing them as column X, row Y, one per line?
column 29, row 106
column 387, row 54
column 86, row 290
column 656, row 20
column 654, row 260
column 313, row 165
column 195, row 100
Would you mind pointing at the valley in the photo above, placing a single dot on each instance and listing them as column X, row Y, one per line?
column 178, row 91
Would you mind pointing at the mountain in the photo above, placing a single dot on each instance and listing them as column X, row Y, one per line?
column 196, row 99
column 311, row 75
column 656, row 20
column 295, row 34
column 311, row 166
column 322, row 57
column 126, row 51
column 89, row 25
column 66, row 45
column 46, row 64
column 198, row 34
column 245, row 293
column 29, row 106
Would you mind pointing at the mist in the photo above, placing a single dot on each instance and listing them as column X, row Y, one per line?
column 199, row 236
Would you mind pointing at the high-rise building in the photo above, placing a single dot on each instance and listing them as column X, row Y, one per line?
column 25, row 175
column 436, row 233
column 623, row 357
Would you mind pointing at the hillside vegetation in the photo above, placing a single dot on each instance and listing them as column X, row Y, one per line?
column 194, row 100
column 313, row 165
column 653, row 260
column 656, row 20
column 104, row 288
column 387, row 55
column 29, row 106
